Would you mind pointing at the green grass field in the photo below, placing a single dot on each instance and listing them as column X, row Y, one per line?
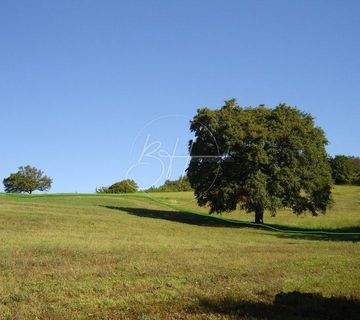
column 119, row 257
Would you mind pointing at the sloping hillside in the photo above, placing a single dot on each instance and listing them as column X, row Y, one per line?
column 121, row 257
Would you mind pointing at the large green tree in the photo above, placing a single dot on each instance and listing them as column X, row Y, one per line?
column 27, row 180
column 259, row 158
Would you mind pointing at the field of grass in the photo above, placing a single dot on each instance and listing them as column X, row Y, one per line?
column 115, row 257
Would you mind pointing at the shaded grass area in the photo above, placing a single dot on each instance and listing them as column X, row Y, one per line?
column 72, row 257
column 291, row 305
column 182, row 216
column 343, row 215
column 176, row 216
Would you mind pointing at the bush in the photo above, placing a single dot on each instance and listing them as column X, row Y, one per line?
column 124, row 186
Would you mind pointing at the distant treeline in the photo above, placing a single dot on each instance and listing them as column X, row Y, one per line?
column 181, row 184
column 345, row 169
column 130, row 186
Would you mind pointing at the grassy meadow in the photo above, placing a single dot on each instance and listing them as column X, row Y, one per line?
column 124, row 257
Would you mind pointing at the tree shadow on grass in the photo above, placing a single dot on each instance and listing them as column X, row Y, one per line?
column 295, row 228
column 175, row 216
column 293, row 305
column 211, row 221
column 338, row 234
column 318, row 237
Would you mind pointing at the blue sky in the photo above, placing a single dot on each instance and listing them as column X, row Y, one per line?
column 84, row 85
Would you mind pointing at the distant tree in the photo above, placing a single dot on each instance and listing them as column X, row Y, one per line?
column 27, row 180
column 124, row 186
column 259, row 158
column 343, row 170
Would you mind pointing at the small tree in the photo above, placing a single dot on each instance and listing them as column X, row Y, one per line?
column 27, row 180
column 260, row 158
column 124, row 186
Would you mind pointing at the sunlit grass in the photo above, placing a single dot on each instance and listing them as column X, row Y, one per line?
column 114, row 257
column 343, row 214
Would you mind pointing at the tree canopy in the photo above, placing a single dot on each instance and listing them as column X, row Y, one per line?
column 259, row 158
column 27, row 180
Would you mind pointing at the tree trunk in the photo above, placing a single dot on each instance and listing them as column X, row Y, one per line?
column 259, row 216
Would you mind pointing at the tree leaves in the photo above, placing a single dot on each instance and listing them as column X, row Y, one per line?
column 262, row 159
column 27, row 179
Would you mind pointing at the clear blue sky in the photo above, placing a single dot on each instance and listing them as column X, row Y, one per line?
column 79, row 80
